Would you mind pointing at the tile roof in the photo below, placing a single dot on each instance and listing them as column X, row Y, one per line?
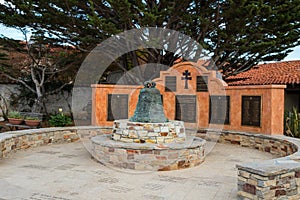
column 282, row 73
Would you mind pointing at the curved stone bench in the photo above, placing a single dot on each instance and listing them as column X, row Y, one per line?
column 271, row 179
column 15, row 140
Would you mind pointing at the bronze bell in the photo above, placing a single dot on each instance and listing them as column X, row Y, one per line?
column 149, row 108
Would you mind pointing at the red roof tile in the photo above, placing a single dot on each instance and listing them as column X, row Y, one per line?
column 281, row 73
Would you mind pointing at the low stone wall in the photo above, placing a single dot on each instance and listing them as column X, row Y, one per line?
column 269, row 179
column 16, row 140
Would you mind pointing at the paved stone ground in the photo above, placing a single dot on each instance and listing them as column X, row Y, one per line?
column 67, row 172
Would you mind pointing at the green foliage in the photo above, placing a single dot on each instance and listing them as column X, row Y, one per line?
column 237, row 34
column 59, row 120
column 292, row 123
column 15, row 115
column 32, row 118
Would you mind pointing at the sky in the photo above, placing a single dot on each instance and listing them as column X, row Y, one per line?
column 12, row 33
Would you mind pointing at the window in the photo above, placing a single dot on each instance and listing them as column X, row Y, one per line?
column 117, row 107
column 219, row 109
column 251, row 109
column 186, row 108
column 170, row 84
column 202, row 83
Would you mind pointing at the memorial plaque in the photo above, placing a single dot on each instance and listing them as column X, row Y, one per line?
column 202, row 83
column 219, row 109
column 117, row 107
column 186, row 108
column 251, row 110
column 170, row 84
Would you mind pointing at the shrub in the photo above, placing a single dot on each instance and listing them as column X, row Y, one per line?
column 15, row 115
column 60, row 119
column 292, row 123
column 32, row 118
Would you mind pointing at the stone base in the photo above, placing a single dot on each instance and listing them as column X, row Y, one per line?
column 149, row 157
column 139, row 132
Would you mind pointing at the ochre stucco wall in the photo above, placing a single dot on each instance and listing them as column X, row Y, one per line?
column 272, row 108
column 272, row 100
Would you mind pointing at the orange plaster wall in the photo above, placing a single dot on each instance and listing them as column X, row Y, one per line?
column 215, row 86
column 271, row 108
column 277, row 111
column 272, row 100
column 100, row 101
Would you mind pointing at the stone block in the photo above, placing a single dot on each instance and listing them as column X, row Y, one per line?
column 179, row 139
column 295, row 197
column 266, row 183
column 130, row 157
column 138, row 128
column 245, row 196
column 164, row 134
column 146, row 151
column 125, row 132
column 157, row 129
column 126, row 139
column 280, row 193
column 148, row 127
column 244, row 174
column 298, row 182
column 292, row 192
column 288, row 175
column 142, row 133
column 168, row 140
column 251, row 189
column 160, row 140
column 133, row 134
column 255, row 176
column 164, row 129
column 265, row 193
column 253, row 182
column 153, row 134
column 116, row 137
column 151, row 141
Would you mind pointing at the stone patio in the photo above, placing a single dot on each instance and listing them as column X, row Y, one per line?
column 67, row 172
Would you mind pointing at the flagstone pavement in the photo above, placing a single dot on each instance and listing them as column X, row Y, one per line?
column 67, row 172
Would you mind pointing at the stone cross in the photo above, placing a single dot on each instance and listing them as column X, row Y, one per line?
column 186, row 77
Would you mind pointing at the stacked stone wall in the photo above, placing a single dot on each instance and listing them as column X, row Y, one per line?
column 270, row 179
column 148, row 156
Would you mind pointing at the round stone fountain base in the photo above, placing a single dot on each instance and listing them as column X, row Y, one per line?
column 146, row 156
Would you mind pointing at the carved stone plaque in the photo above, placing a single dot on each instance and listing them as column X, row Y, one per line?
column 202, row 83
column 186, row 108
column 251, row 110
column 170, row 84
column 117, row 107
column 219, row 109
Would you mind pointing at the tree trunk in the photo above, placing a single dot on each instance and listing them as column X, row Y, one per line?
column 38, row 104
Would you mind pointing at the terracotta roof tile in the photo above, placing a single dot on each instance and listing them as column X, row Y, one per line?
column 281, row 73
